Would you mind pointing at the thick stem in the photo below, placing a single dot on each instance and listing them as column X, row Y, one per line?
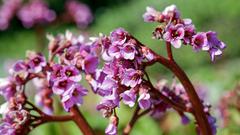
column 169, row 51
column 80, row 121
column 131, row 123
column 200, row 116
column 194, row 99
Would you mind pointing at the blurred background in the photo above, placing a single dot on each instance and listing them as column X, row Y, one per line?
column 222, row 16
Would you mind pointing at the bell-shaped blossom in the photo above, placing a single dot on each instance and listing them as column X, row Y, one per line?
column 111, row 129
column 184, row 119
column 132, row 77
column 118, row 36
column 215, row 45
column 19, row 71
column 144, row 101
column 90, row 64
column 56, row 72
column 129, row 97
column 69, row 57
column 129, row 51
column 174, row 34
column 36, row 62
column 151, row 15
column 7, row 88
column 199, row 42
column 72, row 73
column 107, row 86
column 189, row 31
column 7, row 129
column 62, row 85
column 114, row 51
column 73, row 96
column 171, row 12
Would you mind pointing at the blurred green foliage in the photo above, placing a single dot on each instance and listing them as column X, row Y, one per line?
column 221, row 16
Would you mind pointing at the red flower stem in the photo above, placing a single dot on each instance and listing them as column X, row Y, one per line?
column 169, row 51
column 80, row 121
column 194, row 99
column 51, row 118
column 131, row 123
column 175, row 105
column 198, row 108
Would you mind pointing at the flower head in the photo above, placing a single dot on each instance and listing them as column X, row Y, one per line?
column 73, row 96
column 199, row 42
column 36, row 62
column 118, row 36
column 174, row 34
column 132, row 77
column 151, row 15
column 129, row 98
column 215, row 45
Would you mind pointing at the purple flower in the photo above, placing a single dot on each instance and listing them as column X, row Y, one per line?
column 129, row 51
column 7, row 12
column 132, row 77
column 184, row 119
column 215, row 45
column 79, row 12
column 56, row 72
column 129, row 97
column 36, row 12
column 73, row 96
column 171, row 12
column 36, row 62
column 7, row 129
column 212, row 122
column 107, row 86
column 189, row 32
column 106, row 106
column 199, row 42
column 90, row 64
column 69, row 57
column 144, row 101
column 151, row 15
column 114, row 51
column 7, row 88
column 111, row 129
column 118, row 36
column 174, row 34
column 110, row 69
column 61, row 85
column 19, row 71
column 72, row 73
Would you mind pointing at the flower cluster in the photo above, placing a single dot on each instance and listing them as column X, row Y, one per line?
column 7, row 12
column 179, row 31
column 121, row 77
column 178, row 94
column 15, row 119
column 75, row 57
column 79, row 12
column 35, row 12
